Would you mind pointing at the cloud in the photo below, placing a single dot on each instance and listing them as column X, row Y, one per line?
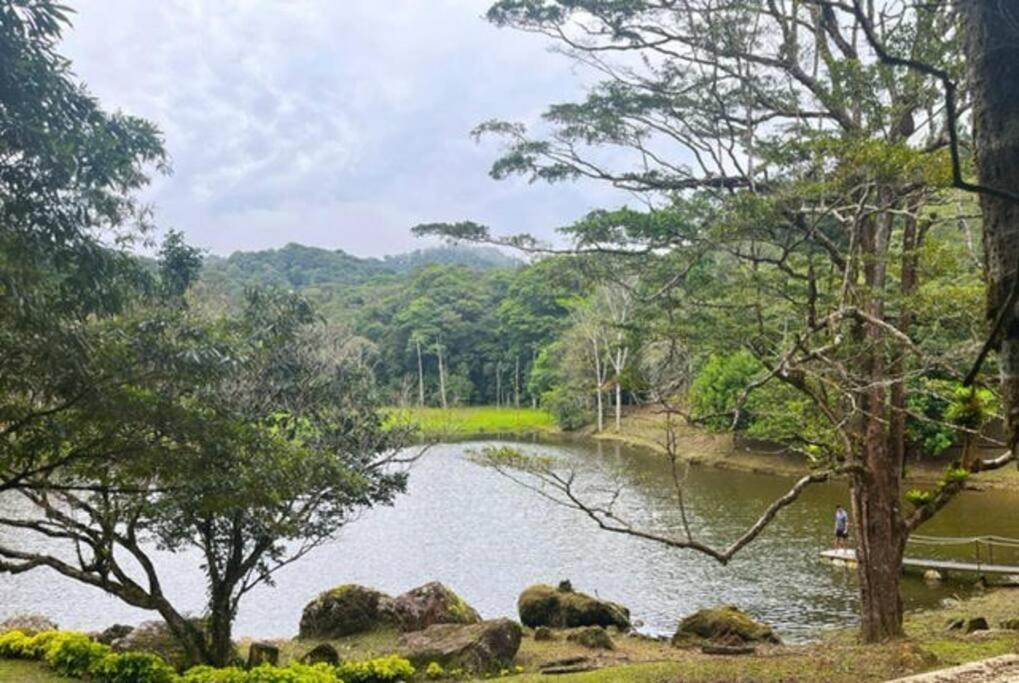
column 338, row 123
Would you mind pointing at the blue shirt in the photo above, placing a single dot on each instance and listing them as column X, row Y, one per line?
column 841, row 520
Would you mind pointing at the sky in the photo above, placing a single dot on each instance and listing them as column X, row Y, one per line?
column 333, row 123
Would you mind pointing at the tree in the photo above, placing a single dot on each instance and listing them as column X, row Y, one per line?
column 262, row 444
column 69, row 172
column 992, row 47
column 768, row 135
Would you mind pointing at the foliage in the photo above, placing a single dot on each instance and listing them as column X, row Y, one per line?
column 717, row 388
column 569, row 410
column 74, row 654
column 132, row 667
column 379, row 670
column 919, row 497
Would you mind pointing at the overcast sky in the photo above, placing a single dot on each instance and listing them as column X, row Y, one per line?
column 335, row 123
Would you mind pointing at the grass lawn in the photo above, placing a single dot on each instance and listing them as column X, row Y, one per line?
column 27, row 672
column 463, row 422
column 836, row 658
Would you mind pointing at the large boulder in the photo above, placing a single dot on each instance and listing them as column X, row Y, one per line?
column 544, row 605
column 345, row 610
column 593, row 637
column 724, row 625
column 29, row 624
column 485, row 646
column 430, row 604
column 113, row 633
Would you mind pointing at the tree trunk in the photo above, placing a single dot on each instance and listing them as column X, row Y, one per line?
column 992, row 45
column 442, row 377
column 619, row 405
column 598, row 387
column 881, row 529
column 421, row 377
column 220, row 630
column 498, row 385
column 516, row 382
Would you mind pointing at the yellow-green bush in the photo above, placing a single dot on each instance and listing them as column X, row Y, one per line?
column 210, row 674
column 132, row 667
column 74, row 654
column 12, row 644
column 379, row 670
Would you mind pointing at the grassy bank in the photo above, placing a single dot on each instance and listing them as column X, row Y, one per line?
column 475, row 421
column 835, row 658
column 646, row 428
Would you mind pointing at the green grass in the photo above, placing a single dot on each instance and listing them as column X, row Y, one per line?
column 463, row 422
column 27, row 672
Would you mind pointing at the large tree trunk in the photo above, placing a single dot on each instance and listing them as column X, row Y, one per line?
column 992, row 45
column 516, row 382
column 880, row 528
column 220, row 630
column 880, row 541
column 598, row 387
column 498, row 385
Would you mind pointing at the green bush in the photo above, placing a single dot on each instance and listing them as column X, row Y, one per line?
column 132, row 667
column 209, row 674
column 379, row 670
column 35, row 646
column 294, row 673
column 717, row 388
column 74, row 654
column 567, row 408
column 12, row 644
column 434, row 670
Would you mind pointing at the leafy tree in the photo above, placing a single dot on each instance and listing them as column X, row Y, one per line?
column 716, row 392
column 260, row 441
column 69, row 172
column 770, row 139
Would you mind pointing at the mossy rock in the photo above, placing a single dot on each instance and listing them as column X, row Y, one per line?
column 722, row 624
column 155, row 637
column 488, row 646
column 593, row 637
column 29, row 624
column 346, row 610
column 1010, row 624
column 544, row 605
column 430, row 604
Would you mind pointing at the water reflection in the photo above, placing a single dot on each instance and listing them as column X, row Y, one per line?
column 488, row 538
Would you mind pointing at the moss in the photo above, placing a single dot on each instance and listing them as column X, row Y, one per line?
column 722, row 623
column 544, row 605
column 593, row 637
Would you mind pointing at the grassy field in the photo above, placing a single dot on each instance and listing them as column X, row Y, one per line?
column 464, row 422
column 26, row 672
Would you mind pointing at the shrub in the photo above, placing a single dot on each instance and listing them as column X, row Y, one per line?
column 379, row 670
column 209, row 674
column 434, row 670
column 717, row 388
column 919, row 497
column 294, row 673
column 12, row 644
column 568, row 408
column 132, row 667
column 35, row 646
column 74, row 654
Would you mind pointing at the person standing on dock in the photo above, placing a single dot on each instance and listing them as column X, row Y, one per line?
column 841, row 527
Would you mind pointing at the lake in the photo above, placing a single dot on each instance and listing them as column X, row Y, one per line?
column 488, row 538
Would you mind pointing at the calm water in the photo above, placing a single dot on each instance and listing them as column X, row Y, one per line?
column 488, row 538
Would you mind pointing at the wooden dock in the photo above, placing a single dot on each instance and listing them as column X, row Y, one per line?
column 848, row 556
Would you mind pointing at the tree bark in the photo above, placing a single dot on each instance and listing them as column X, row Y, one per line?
column 598, row 386
column 442, row 376
column 220, row 631
column 992, row 45
column 516, row 382
column 421, row 377
column 498, row 384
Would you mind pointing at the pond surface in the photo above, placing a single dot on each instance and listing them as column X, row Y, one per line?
column 488, row 538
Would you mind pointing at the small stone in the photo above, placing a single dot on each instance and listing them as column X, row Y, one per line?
column 1010, row 624
column 956, row 624
column 976, row 624
column 263, row 653
column 565, row 586
column 112, row 633
column 593, row 637
column 716, row 649
column 932, row 576
column 544, row 633
column 322, row 654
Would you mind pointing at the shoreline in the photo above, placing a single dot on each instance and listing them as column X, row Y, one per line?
column 644, row 429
